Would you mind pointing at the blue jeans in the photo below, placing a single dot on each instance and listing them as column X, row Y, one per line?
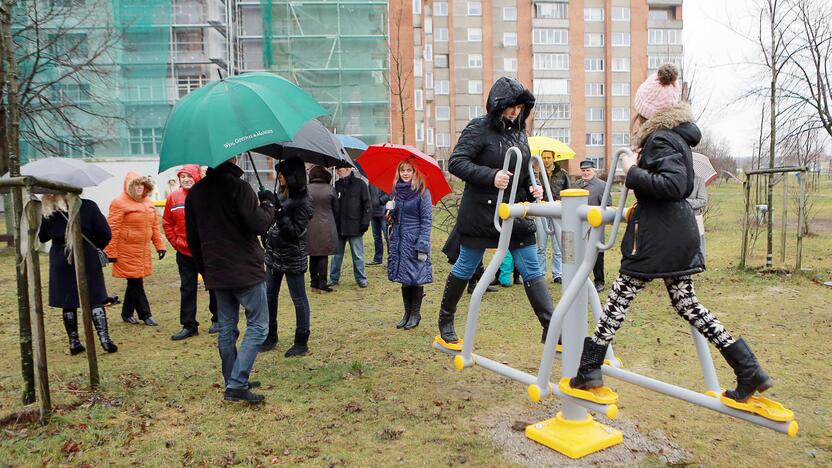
column 357, row 251
column 236, row 365
column 525, row 259
column 379, row 226
column 543, row 239
column 297, row 289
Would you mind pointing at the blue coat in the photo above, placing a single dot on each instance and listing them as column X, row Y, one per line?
column 409, row 235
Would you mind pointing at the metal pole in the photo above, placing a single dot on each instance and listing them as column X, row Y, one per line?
column 745, row 221
column 784, row 216
column 801, row 220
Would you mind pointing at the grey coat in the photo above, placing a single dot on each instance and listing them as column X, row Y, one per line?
column 321, row 234
column 596, row 190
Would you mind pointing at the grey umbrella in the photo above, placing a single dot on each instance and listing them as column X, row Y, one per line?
column 313, row 144
column 69, row 171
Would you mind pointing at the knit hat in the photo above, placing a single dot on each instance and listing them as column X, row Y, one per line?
column 659, row 92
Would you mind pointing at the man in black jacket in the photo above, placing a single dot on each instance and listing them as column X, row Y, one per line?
column 223, row 217
column 377, row 201
column 352, row 219
column 590, row 181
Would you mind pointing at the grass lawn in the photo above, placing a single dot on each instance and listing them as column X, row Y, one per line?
column 369, row 394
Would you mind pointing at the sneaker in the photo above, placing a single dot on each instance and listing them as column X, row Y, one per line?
column 331, row 284
column 362, row 284
column 150, row 322
column 215, row 328
column 557, row 280
column 599, row 286
column 184, row 333
column 374, row 262
column 296, row 350
column 234, row 394
column 131, row 320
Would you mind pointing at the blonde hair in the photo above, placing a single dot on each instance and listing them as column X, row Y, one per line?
column 53, row 203
column 416, row 183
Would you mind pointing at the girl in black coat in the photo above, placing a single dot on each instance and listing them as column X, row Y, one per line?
column 63, row 289
column 662, row 239
column 286, row 254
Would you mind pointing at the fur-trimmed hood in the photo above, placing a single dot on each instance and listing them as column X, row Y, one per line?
column 133, row 179
column 677, row 118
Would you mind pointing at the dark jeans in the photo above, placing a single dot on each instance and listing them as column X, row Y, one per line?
column 379, row 226
column 598, row 271
column 317, row 272
column 135, row 299
column 187, row 292
column 236, row 365
column 297, row 289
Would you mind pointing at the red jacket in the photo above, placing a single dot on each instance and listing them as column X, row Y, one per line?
column 173, row 220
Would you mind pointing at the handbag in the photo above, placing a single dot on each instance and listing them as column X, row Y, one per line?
column 102, row 257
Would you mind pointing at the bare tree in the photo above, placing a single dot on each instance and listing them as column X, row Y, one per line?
column 400, row 75
column 719, row 153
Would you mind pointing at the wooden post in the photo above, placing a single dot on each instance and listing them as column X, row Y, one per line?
column 27, row 365
column 801, row 214
column 746, row 188
column 784, row 216
column 32, row 213
column 74, row 205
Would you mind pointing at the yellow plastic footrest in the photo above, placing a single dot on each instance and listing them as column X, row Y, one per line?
column 600, row 395
column 762, row 406
column 457, row 346
column 575, row 439
column 559, row 348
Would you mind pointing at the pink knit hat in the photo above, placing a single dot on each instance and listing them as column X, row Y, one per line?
column 659, row 92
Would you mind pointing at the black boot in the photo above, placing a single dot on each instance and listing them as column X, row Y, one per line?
column 416, row 295
column 589, row 371
column 99, row 319
column 541, row 302
column 71, row 326
column 299, row 348
column 271, row 337
column 407, row 293
column 750, row 375
column 450, row 298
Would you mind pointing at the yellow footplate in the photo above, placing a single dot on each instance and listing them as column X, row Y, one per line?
column 757, row 404
column 452, row 346
column 600, row 395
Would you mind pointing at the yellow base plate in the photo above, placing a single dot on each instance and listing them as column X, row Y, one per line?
column 575, row 439
column 600, row 395
column 452, row 346
column 757, row 404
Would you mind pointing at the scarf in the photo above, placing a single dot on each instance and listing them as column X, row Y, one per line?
column 405, row 192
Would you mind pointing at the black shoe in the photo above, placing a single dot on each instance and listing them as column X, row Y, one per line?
column 184, row 333
column 331, row 284
column 599, row 286
column 450, row 298
column 362, row 284
column 299, row 348
column 750, row 375
column 589, row 370
column 215, row 328
column 150, row 322
column 415, row 307
column 374, row 262
column 557, row 280
column 269, row 344
column 99, row 319
column 253, row 384
column 541, row 302
column 326, row 289
column 505, row 285
column 407, row 293
column 131, row 320
column 233, row 394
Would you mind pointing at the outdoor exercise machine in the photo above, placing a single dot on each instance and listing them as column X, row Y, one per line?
column 574, row 432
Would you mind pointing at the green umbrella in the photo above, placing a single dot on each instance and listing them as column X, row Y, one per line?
column 228, row 117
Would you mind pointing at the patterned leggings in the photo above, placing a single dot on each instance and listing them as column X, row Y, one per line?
column 683, row 298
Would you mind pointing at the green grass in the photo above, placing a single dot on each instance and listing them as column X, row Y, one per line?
column 369, row 394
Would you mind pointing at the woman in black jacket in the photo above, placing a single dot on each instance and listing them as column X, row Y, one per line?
column 662, row 239
column 478, row 160
column 286, row 255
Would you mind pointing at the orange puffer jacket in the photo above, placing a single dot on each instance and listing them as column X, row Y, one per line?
column 173, row 219
column 134, row 223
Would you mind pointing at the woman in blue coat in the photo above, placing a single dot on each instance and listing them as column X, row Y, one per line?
column 410, row 218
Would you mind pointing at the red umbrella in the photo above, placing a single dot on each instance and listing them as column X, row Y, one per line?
column 380, row 162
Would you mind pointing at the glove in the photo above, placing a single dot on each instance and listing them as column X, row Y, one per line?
column 161, row 253
column 391, row 205
column 421, row 256
column 266, row 196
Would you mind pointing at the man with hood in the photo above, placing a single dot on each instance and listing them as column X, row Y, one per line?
column 173, row 223
column 478, row 160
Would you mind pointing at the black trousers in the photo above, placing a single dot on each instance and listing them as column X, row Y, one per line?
column 188, row 276
column 598, row 270
column 317, row 272
column 135, row 299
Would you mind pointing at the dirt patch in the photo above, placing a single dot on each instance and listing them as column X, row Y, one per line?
column 505, row 427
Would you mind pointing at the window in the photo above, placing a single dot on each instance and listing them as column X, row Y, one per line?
column 443, row 87
column 417, row 67
column 420, row 131
column 598, row 160
column 594, row 64
column 552, row 111
column 474, row 86
column 659, row 14
column 593, row 14
column 550, row 36
column 74, row 148
column 621, row 89
column 145, row 140
column 474, row 9
column 73, row 45
column 509, row 64
column 621, row 139
column 594, row 89
column 551, row 87
column 551, row 61
column 621, row 64
column 562, row 134
column 557, row 10
column 430, row 136
column 137, row 90
column 418, row 99
column 595, row 114
column 474, row 60
column 72, row 94
column 509, row 39
column 474, row 34
column 655, row 61
column 620, row 13
column 509, row 14
column 189, row 41
column 443, row 140
column 428, row 80
column 593, row 40
column 440, row 9
column 621, row 39
column 443, row 113
column 428, row 25
column 620, row 114
column 440, row 61
column 428, row 52
column 595, row 139
column 417, row 7
column 186, row 84
column 474, row 112
column 440, row 35
column 664, row 36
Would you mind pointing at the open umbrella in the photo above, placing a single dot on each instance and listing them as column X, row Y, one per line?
column 313, row 144
column 67, row 170
column 353, row 145
column 703, row 168
column 560, row 150
column 234, row 115
column 381, row 161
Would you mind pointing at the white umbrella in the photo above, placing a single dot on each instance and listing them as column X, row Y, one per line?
column 67, row 170
column 703, row 168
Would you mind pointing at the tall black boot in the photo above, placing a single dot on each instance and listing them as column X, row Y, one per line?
column 416, row 295
column 299, row 348
column 750, row 375
column 99, row 319
column 407, row 293
column 71, row 326
column 450, row 298
column 541, row 302
column 589, row 371
column 271, row 337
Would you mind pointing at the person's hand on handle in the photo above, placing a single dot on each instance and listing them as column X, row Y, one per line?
column 502, row 178
column 536, row 191
column 627, row 162
column 161, row 253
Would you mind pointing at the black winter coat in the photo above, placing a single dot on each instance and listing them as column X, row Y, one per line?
column 222, row 221
column 378, row 198
column 285, row 241
column 353, row 215
column 477, row 158
column 662, row 239
column 63, row 289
